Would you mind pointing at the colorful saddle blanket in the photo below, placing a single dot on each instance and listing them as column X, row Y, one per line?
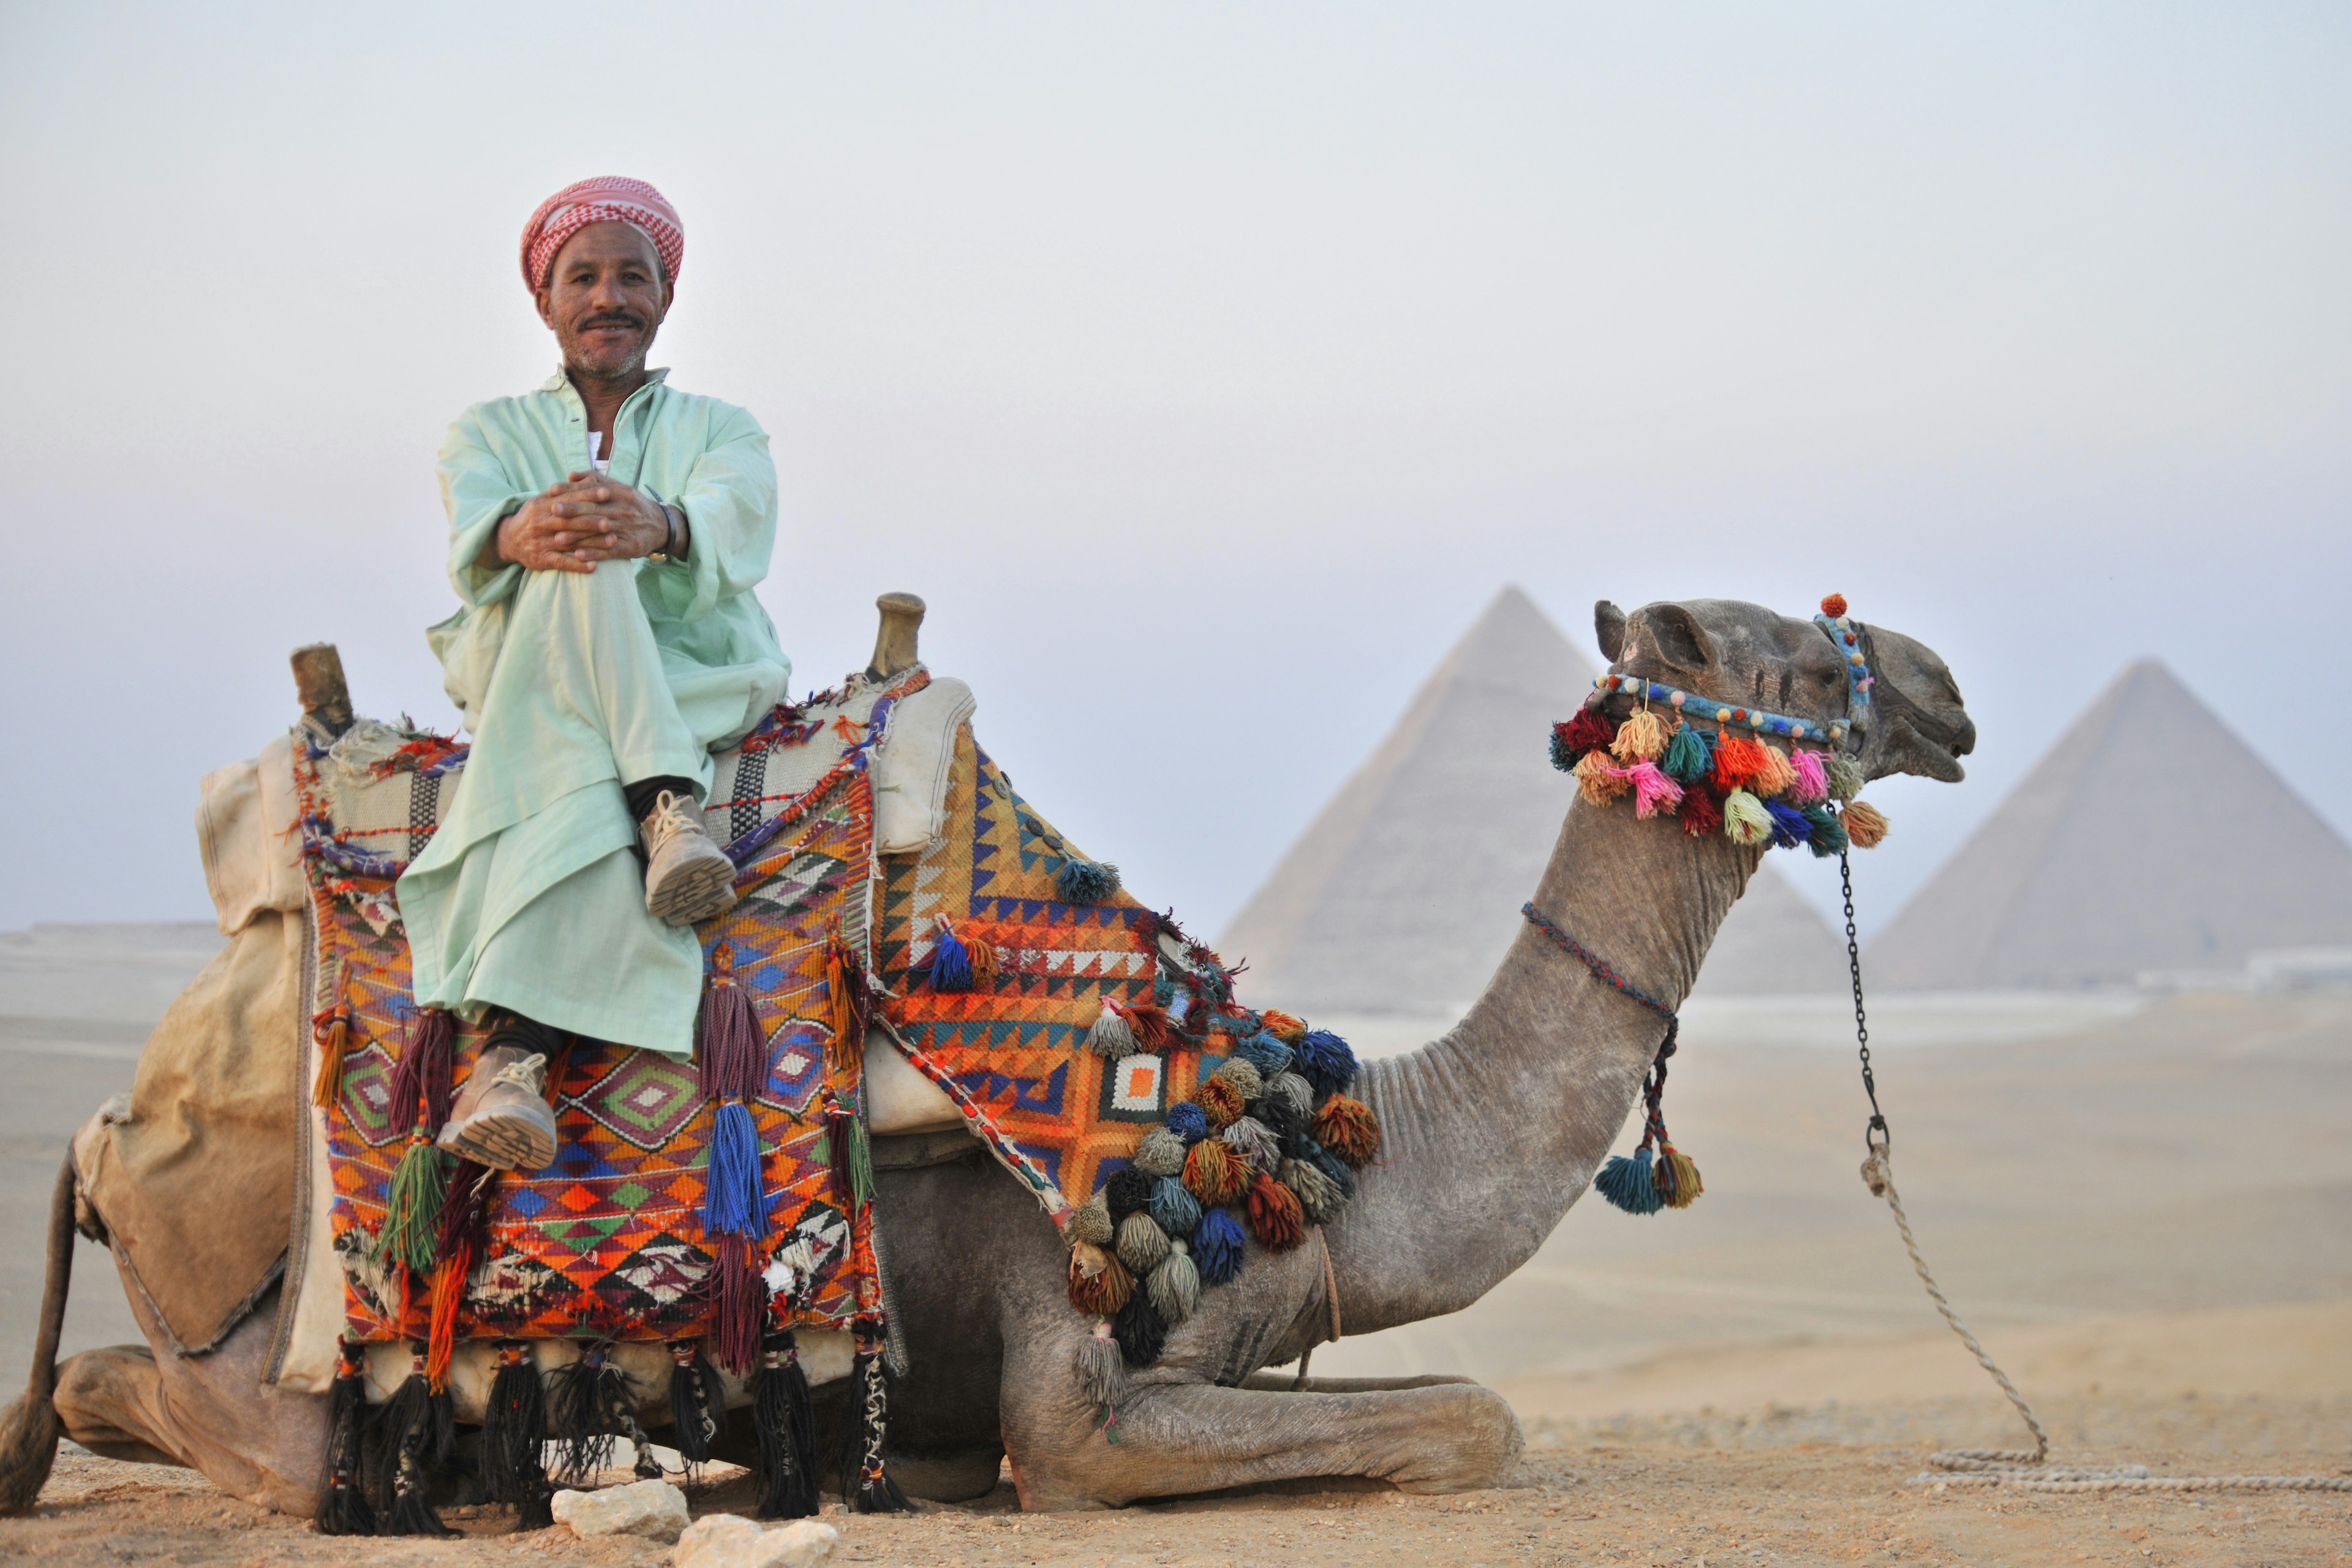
column 609, row 1241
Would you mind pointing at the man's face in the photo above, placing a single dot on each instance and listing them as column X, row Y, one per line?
column 604, row 298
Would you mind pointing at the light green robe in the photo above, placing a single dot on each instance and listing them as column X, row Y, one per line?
column 532, row 895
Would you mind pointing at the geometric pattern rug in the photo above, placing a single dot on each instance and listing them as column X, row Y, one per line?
column 608, row 1240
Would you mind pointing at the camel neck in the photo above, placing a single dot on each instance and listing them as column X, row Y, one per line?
column 1492, row 1132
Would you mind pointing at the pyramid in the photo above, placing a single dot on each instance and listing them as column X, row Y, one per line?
column 2149, row 838
column 1403, row 893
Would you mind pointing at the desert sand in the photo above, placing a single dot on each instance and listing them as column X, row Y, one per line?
column 2142, row 1205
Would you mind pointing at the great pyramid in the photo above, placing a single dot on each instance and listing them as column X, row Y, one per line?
column 1404, row 892
column 2149, row 838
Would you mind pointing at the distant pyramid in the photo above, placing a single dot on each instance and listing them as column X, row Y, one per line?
column 2149, row 838
column 1403, row 893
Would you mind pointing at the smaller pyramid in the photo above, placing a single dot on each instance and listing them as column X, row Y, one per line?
column 2149, row 838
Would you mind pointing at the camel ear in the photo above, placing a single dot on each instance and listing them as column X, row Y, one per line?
column 1681, row 641
column 1609, row 629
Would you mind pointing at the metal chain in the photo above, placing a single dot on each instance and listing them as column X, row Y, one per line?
column 2016, row 1468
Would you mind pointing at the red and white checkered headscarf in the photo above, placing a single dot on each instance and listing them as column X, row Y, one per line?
column 604, row 199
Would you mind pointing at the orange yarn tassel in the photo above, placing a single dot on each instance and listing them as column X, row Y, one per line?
column 1642, row 738
column 1282, row 1025
column 1099, row 1283
column 1348, row 1129
column 334, row 1042
column 1214, row 1173
column 1736, row 760
column 449, row 1295
column 1274, row 1215
column 845, row 986
column 1600, row 780
column 1865, row 825
column 1223, row 1102
column 1774, row 772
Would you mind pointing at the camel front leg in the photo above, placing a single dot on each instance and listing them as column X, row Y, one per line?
column 1176, row 1439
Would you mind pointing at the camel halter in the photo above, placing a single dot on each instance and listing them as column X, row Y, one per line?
column 1643, row 1184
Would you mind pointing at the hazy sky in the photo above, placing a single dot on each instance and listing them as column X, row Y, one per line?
column 1207, row 368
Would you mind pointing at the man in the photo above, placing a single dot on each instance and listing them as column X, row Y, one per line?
column 606, row 533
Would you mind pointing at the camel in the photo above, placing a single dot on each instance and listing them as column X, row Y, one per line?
column 1490, row 1133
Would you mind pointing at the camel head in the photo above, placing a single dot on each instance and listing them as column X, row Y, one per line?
column 1737, row 652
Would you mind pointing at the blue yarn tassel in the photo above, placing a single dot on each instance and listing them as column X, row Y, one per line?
column 735, row 1203
column 1173, row 1207
column 1331, row 1165
column 1790, row 827
column 1629, row 1184
column 1086, row 882
column 1217, row 1248
column 950, row 967
column 1326, row 1062
column 1688, row 757
column 1188, row 1122
column 1264, row 1052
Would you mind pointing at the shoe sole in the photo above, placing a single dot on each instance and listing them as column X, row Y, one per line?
column 503, row 1143
column 697, row 890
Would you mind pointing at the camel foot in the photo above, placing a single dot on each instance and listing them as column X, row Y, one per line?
column 1190, row 1439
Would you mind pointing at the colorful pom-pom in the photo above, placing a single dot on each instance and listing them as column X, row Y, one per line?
column 1147, row 1022
column 1599, row 780
column 1240, row 1072
column 1215, row 1172
column 1737, row 758
column 1348, row 1129
column 1318, row 1196
column 1590, row 731
column 1688, row 757
column 1829, row 834
column 1845, row 779
column 1812, row 785
column 1253, row 1141
column 1677, row 1178
column 1141, row 1243
column 1161, row 1153
column 1111, row 1038
column 1128, row 1190
column 1654, row 792
column 1774, row 772
column 1642, row 738
column 1140, row 1331
column 1174, row 1207
column 1091, row 1222
column 1217, row 1248
column 951, row 963
column 1265, row 1051
column 1100, row 1284
column 1833, row 606
column 1188, row 1122
column 1326, row 1062
column 1282, row 1025
column 1865, row 825
column 1628, row 1185
column 1221, row 1101
column 1274, row 1215
column 1086, row 882
column 1745, row 821
column 1175, row 1286
column 1790, row 827
column 1702, row 815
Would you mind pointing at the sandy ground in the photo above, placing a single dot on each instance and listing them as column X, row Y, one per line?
column 2146, row 1209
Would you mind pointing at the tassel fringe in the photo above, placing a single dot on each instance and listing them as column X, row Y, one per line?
column 342, row 1491
column 787, row 1431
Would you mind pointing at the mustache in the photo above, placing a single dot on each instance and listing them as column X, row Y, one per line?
column 613, row 318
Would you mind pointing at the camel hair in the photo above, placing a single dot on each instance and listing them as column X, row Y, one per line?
column 1490, row 1133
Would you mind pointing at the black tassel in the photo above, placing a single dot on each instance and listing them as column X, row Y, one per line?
column 589, row 1394
column 342, row 1493
column 514, row 1432
column 866, row 1486
column 420, row 1431
column 787, row 1428
column 697, row 1403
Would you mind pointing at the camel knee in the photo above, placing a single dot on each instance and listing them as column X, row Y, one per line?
column 110, row 1402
